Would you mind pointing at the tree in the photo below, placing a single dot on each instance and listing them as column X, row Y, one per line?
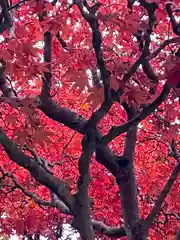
column 90, row 118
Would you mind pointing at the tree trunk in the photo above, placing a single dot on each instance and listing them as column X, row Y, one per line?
column 81, row 207
column 178, row 235
column 128, row 191
column 37, row 236
column 83, row 225
column 130, row 210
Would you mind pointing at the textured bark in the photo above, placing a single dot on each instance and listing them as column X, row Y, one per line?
column 65, row 116
column 81, row 208
column 83, row 224
column 159, row 202
column 178, row 235
column 128, row 192
column 102, row 228
column 40, row 174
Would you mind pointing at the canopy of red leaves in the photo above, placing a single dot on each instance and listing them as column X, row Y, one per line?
column 73, row 87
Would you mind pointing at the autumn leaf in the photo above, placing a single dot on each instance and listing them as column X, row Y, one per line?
column 48, row 93
column 84, row 106
column 96, row 97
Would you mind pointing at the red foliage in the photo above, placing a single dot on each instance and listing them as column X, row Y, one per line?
column 72, row 87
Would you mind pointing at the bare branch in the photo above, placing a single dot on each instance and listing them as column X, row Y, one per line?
column 175, row 215
column 102, row 228
column 40, row 174
column 7, row 18
column 173, row 151
column 18, row 4
column 158, row 204
column 4, row 87
column 148, row 70
column 57, row 204
column 163, row 45
column 175, row 25
column 41, row 161
column 47, row 59
column 61, row 41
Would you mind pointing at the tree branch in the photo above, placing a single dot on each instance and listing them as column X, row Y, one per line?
column 17, row 5
column 63, row 115
column 148, row 70
column 4, row 87
column 116, row 131
column 163, row 45
column 102, row 228
column 47, row 59
column 57, row 204
column 175, row 25
column 98, row 226
column 157, row 206
column 127, row 183
column 151, row 8
column 91, row 18
column 82, row 220
column 173, row 151
column 40, row 174
column 130, row 140
column 61, row 41
column 6, row 16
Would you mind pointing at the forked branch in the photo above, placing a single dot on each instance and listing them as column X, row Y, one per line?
column 40, row 174
column 57, row 204
column 116, row 131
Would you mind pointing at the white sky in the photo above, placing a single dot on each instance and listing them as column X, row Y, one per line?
column 66, row 233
